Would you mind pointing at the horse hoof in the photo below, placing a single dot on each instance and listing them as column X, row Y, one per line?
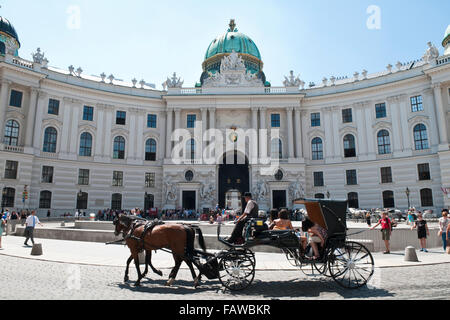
column 137, row 284
column 126, row 279
column 170, row 282
column 159, row 273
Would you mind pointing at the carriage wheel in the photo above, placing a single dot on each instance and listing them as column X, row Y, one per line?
column 322, row 268
column 237, row 269
column 351, row 266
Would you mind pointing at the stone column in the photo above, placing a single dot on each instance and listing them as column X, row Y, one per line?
column 369, row 133
column 4, row 103
column 255, row 127
column 403, row 109
column 396, row 134
column 132, row 137
column 99, row 139
column 66, row 106
column 37, row 140
column 328, row 144
column 361, row 136
column 441, row 116
column 169, row 133
column 139, row 135
column 262, row 134
column 31, row 117
column 298, row 133
column 290, row 132
column 75, row 135
column 335, row 120
column 204, row 129
column 428, row 99
column 109, row 111
column 161, row 124
column 212, row 126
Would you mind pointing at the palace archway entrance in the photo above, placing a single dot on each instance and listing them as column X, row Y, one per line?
column 234, row 176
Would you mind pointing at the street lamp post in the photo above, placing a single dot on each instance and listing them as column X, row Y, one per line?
column 408, row 193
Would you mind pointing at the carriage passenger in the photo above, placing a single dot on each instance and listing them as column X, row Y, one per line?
column 283, row 223
column 317, row 235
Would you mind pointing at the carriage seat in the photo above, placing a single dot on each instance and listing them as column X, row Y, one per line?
column 275, row 234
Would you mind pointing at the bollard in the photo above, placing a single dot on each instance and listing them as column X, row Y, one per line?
column 37, row 250
column 411, row 255
column 142, row 257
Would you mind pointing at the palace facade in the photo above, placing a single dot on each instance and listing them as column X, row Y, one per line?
column 77, row 141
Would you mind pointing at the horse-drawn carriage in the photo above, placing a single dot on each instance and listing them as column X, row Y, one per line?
column 349, row 263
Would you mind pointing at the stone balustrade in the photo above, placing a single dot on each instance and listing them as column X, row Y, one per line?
column 15, row 149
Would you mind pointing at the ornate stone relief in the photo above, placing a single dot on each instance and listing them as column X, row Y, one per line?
column 232, row 73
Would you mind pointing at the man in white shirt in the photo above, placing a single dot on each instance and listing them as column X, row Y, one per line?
column 251, row 211
column 31, row 223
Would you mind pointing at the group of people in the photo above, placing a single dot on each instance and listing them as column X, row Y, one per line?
column 420, row 224
column 26, row 217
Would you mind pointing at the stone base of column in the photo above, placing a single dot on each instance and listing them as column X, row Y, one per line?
column 443, row 147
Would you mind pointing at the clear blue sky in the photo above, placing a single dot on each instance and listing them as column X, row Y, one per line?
column 151, row 39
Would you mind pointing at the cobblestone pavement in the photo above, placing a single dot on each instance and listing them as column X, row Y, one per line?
column 49, row 280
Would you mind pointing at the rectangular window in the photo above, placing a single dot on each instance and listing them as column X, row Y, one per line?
column 352, row 179
column 88, row 113
column 53, row 107
column 121, row 118
column 83, row 177
column 318, row 179
column 380, row 110
column 424, row 171
column 275, row 120
column 11, row 169
column 16, row 99
column 191, row 118
column 151, row 121
column 47, row 174
column 150, row 180
column 416, row 104
column 386, row 175
column 118, row 179
column 315, row 119
column 347, row 116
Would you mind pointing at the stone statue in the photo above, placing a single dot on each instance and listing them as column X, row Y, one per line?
column 169, row 190
column 232, row 63
column 174, row 82
column 207, row 192
column 431, row 53
column 38, row 57
column 296, row 190
column 292, row 81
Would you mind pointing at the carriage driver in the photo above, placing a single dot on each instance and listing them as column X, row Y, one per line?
column 251, row 211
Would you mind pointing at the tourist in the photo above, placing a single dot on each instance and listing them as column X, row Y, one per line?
column 444, row 222
column 283, row 223
column 410, row 218
column 2, row 226
column 14, row 220
column 31, row 223
column 386, row 230
column 422, row 231
column 23, row 217
column 368, row 219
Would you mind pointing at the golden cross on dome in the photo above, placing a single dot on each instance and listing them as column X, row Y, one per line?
column 232, row 25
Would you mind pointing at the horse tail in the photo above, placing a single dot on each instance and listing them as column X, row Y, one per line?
column 190, row 237
column 201, row 240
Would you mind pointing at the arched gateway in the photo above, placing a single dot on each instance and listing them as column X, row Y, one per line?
column 234, row 178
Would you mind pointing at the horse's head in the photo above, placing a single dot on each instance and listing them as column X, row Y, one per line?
column 121, row 224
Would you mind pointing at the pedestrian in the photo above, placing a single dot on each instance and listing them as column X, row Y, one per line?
column 444, row 222
column 14, row 219
column 368, row 220
column 410, row 218
column 2, row 226
column 31, row 223
column 23, row 217
column 422, row 231
column 386, row 230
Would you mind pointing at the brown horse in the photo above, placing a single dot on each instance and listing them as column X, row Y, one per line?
column 175, row 237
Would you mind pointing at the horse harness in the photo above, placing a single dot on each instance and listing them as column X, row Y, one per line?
column 148, row 227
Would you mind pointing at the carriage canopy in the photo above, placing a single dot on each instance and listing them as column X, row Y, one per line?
column 330, row 214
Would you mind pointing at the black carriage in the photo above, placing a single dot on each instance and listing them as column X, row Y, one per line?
column 349, row 263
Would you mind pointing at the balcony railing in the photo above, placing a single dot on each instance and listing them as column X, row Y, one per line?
column 443, row 60
column 15, row 149
column 22, row 63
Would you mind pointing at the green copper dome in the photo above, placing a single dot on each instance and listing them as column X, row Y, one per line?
column 232, row 40
column 7, row 28
column 446, row 37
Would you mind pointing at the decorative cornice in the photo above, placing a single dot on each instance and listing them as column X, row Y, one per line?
column 6, row 82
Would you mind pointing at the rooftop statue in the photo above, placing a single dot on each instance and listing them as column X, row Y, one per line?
column 431, row 53
column 174, row 82
column 292, row 81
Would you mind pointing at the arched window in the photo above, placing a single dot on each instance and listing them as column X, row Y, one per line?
column 2, row 47
column 119, row 148
column 276, row 149
column 11, row 133
column 388, row 199
column 349, row 146
column 45, row 200
column 319, row 196
column 353, row 200
column 150, row 150
column 86, row 145
column 82, row 200
column 426, row 197
column 384, row 142
column 421, row 137
column 317, row 149
column 8, row 197
column 190, row 150
column 116, row 201
column 50, row 139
